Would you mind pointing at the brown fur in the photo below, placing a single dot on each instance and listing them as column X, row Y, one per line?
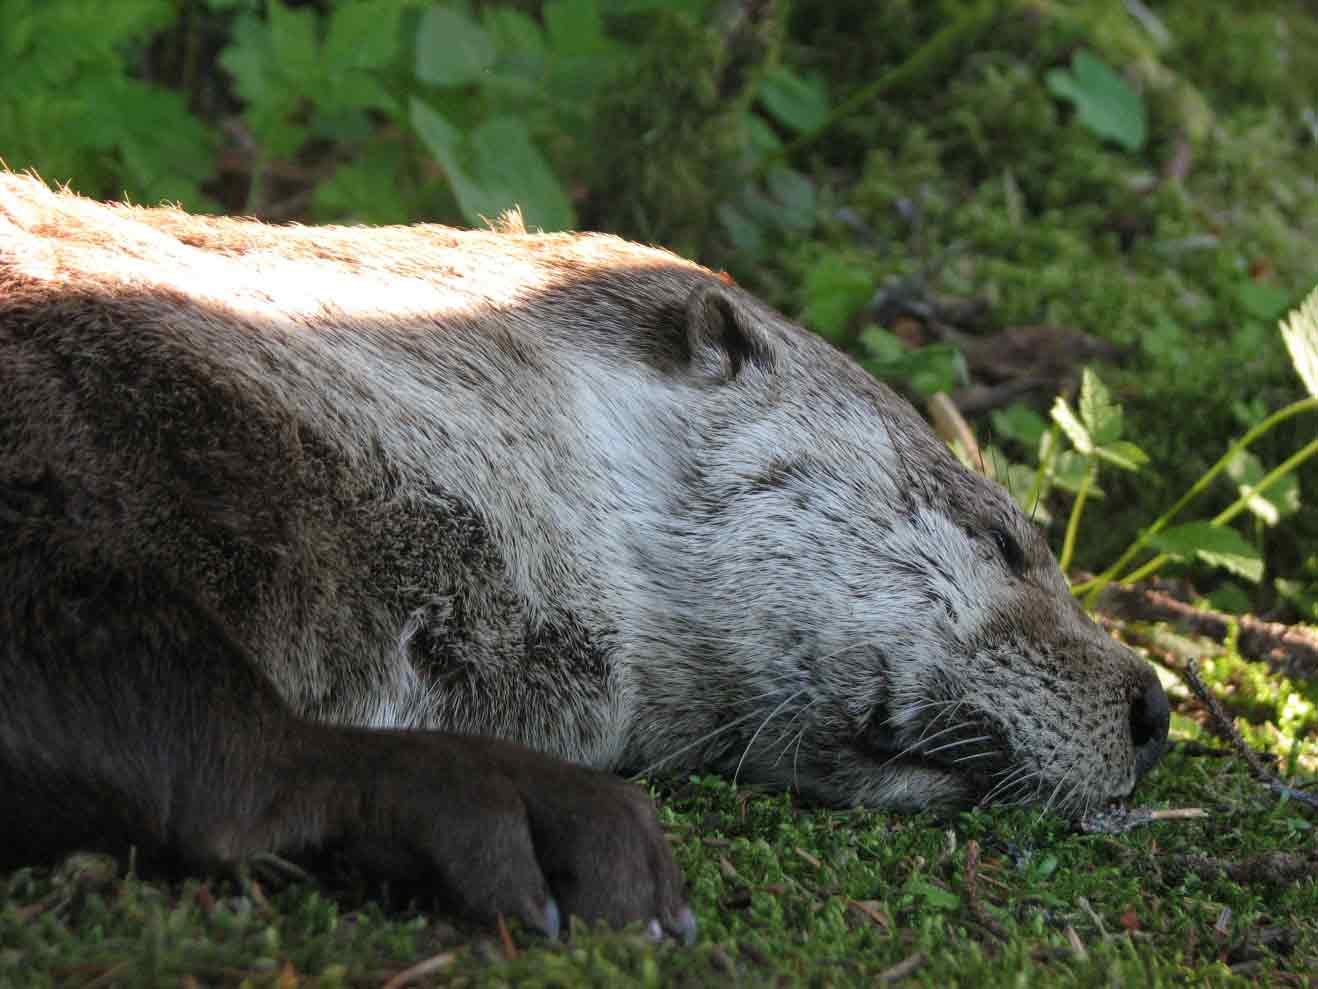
column 271, row 496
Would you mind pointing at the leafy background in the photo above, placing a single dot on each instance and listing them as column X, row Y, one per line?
column 970, row 196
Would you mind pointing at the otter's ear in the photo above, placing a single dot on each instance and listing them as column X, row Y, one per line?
column 724, row 335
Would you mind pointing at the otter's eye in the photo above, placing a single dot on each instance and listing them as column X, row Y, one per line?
column 1011, row 551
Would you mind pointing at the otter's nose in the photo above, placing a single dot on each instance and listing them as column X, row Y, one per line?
column 1150, row 717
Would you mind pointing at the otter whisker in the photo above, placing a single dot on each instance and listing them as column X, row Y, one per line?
column 911, row 711
column 703, row 739
column 787, row 733
column 1057, row 789
column 915, row 746
column 957, row 744
column 769, row 717
column 978, row 755
column 1013, row 778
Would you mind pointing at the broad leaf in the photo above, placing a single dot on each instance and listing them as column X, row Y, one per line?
column 451, row 48
column 1019, row 422
column 513, row 173
column 1280, row 499
column 1214, row 544
column 797, row 103
column 1104, row 102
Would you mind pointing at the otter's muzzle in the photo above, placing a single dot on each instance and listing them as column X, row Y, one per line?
column 1150, row 717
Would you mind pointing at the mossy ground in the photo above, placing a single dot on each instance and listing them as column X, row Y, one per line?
column 1053, row 225
column 785, row 894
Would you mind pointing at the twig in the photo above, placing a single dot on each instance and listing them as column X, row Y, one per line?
column 1289, row 650
column 1121, row 819
column 428, row 966
column 1225, row 729
column 902, row 968
column 972, row 894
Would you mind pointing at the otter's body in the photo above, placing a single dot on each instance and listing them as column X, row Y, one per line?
column 562, row 490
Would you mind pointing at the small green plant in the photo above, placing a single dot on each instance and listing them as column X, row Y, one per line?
column 1105, row 103
column 1268, row 495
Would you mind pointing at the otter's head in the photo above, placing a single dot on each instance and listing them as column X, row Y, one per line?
column 876, row 625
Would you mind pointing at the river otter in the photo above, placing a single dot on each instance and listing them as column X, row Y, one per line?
column 296, row 522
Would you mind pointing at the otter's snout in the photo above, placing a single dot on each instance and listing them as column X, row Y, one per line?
column 1150, row 717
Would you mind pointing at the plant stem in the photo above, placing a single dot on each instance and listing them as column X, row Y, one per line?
column 1090, row 588
column 1073, row 523
column 1045, row 467
column 1227, row 514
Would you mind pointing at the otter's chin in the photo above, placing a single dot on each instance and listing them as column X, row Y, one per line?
column 914, row 785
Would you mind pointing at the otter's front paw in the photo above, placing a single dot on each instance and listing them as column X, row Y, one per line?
column 504, row 830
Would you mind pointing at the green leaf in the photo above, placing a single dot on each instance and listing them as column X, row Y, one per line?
column 1216, row 545
column 746, row 235
column 451, row 48
column 1019, row 422
column 760, row 136
column 1101, row 415
column 293, row 45
column 361, row 36
column 513, row 173
column 1300, row 331
column 1262, row 300
column 835, row 289
column 1068, row 473
column 1282, row 497
column 1104, row 102
column 933, row 896
column 1123, row 454
column 793, row 196
column 797, row 103
column 1072, row 427
column 574, row 27
column 445, row 143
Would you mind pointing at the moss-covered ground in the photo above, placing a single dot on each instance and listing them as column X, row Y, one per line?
column 785, row 894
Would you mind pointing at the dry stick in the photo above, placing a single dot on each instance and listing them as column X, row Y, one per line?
column 1225, row 729
column 972, row 893
column 428, row 966
column 1290, row 650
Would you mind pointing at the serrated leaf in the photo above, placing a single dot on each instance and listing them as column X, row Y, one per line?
column 1123, row 454
column 1280, row 499
column 1104, row 102
column 1073, row 428
column 451, row 48
column 1216, row 545
column 293, row 45
column 1300, row 331
column 1019, row 422
column 1101, row 415
column 361, row 36
column 798, row 103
